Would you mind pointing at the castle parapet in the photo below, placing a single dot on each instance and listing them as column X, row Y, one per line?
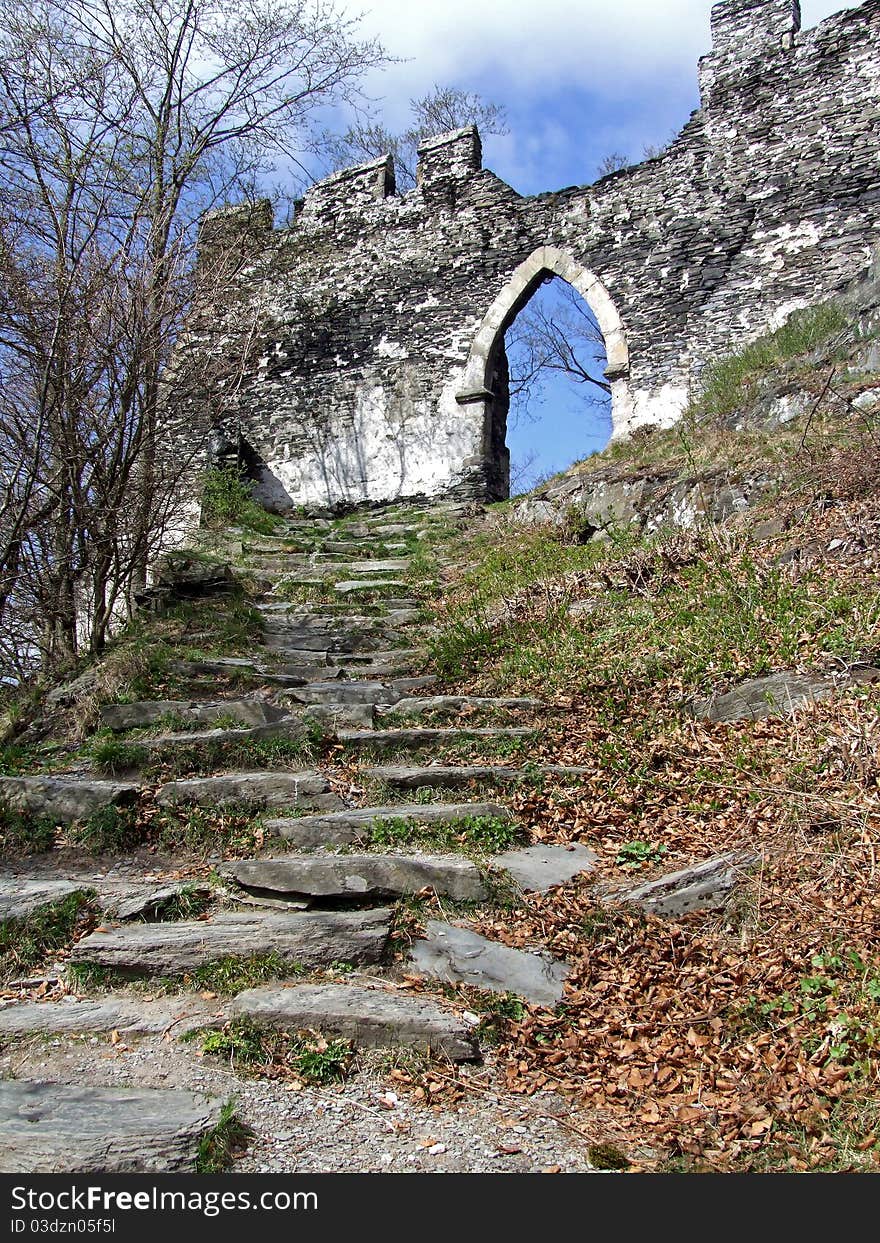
column 240, row 229
column 744, row 33
column 351, row 188
column 448, row 159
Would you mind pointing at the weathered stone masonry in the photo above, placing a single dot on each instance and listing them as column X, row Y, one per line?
column 381, row 369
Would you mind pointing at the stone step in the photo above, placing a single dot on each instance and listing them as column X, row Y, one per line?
column 538, row 868
column 369, row 1017
column 129, row 1015
column 416, row 707
column 146, row 713
column 323, row 875
column 704, row 886
column 345, row 827
column 55, row 1128
column 354, row 587
column 65, row 797
column 355, row 547
column 229, row 668
column 309, row 790
column 20, row 897
column 390, row 565
column 461, row 956
column 309, row 938
column 406, row 739
column 450, row 776
column 329, row 642
column 343, row 691
column 335, row 716
column 293, row 727
column 301, row 658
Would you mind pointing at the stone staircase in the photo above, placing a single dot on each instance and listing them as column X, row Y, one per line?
column 357, row 675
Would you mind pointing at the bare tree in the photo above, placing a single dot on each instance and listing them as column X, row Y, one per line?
column 444, row 108
column 614, row 162
column 560, row 336
column 121, row 123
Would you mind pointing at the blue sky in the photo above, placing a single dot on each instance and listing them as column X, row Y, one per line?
column 579, row 79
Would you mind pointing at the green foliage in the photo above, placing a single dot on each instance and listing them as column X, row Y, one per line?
column 218, row 1148
column 732, row 381
column 24, row 943
column 482, row 834
column 234, row 974
column 634, row 855
column 110, row 830
column 312, row 1058
column 836, row 1007
column 24, row 834
column 227, row 500
column 208, row 830
column 188, row 903
column 114, row 756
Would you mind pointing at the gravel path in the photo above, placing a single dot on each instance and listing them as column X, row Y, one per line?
column 361, row 1126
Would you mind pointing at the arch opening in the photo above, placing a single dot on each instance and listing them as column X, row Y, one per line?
column 602, row 359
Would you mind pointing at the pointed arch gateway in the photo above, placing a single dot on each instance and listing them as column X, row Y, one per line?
column 485, row 373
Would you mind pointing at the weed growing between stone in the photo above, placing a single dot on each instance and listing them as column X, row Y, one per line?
column 307, row 1057
column 25, row 943
column 479, row 835
column 218, row 1149
column 24, row 834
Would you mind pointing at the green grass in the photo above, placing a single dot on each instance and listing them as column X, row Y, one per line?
column 114, row 756
column 230, row 974
column 726, row 615
column 110, row 830
column 479, row 834
column 180, row 759
column 22, row 833
column 219, row 1147
column 250, row 1045
column 731, row 382
column 25, row 943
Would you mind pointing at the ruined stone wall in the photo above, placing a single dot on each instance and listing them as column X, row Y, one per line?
column 379, row 370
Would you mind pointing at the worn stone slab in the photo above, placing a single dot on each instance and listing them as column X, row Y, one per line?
column 343, row 715
column 20, row 897
column 127, row 1015
column 342, row 828
column 65, row 798
column 148, row 902
column 256, row 789
column 421, row 705
column 370, row 1017
column 52, row 1128
column 453, row 776
column 538, row 868
column 362, row 875
column 425, row 737
column 337, row 692
column 704, row 886
column 463, row 957
column 309, row 937
column 287, row 726
column 350, row 587
column 774, row 696
column 248, row 712
column 387, row 565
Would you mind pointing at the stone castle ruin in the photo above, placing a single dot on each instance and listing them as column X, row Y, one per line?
column 380, row 369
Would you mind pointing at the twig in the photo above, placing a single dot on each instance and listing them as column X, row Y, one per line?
column 817, row 404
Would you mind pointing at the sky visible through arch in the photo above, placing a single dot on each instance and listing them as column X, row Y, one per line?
column 579, row 79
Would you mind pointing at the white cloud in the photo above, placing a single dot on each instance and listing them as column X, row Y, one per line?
column 607, row 47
